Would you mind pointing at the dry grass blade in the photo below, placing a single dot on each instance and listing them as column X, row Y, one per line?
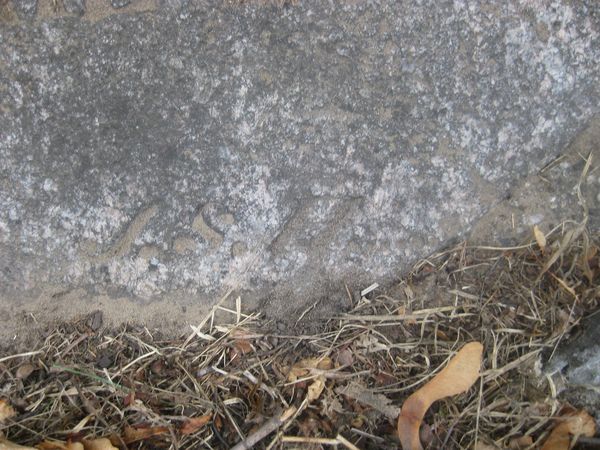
column 270, row 426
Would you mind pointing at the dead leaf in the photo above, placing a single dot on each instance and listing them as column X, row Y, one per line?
column 135, row 434
column 345, row 358
column 457, row 377
column 98, row 444
column 129, row 399
column 358, row 422
column 7, row 445
column 24, row 371
column 158, row 367
column 483, row 446
column 218, row 422
column 370, row 343
column 243, row 346
column 366, row 396
column 315, row 389
column 520, row 443
column 540, row 238
column 303, row 368
column 194, row 424
column 75, row 446
column 442, row 336
column 58, row 445
column 6, row 411
column 575, row 424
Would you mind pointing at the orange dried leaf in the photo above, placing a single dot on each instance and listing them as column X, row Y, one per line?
column 457, row 377
column 194, row 424
column 132, row 434
column 575, row 424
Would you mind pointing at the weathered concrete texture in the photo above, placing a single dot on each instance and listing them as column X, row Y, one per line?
column 26, row 9
column 208, row 146
column 548, row 197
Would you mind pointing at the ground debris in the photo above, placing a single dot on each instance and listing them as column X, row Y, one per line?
column 242, row 384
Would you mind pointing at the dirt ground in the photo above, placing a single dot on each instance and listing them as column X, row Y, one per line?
column 227, row 379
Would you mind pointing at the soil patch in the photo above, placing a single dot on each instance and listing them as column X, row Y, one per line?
column 234, row 377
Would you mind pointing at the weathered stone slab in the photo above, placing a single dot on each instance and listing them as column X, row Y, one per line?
column 205, row 146
column 575, row 366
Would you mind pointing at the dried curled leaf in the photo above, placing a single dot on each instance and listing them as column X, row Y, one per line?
column 315, row 389
column 303, row 368
column 7, row 445
column 6, row 411
column 243, row 346
column 98, row 444
column 483, row 446
column 58, row 445
column 457, row 377
column 87, row 444
column 540, row 238
column 520, row 443
column 24, row 371
column 366, row 396
column 194, row 424
column 576, row 424
column 135, row 434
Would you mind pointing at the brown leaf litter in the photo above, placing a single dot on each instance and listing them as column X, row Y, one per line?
column 242, row 385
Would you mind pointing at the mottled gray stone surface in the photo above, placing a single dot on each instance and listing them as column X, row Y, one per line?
column 119, row 3
column 575, row 366
column 74, row 6
column 26, row 9
column 203, row 146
